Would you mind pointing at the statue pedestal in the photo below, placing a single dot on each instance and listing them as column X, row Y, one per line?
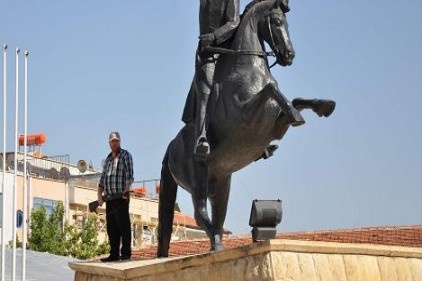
column 269, row 260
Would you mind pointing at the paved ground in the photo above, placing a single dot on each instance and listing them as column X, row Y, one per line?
column 39, row 266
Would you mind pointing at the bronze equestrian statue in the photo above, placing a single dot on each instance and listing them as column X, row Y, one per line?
column 218, row 21
column 245, row 112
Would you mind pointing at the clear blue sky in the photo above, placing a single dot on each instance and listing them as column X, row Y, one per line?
column 98, row 66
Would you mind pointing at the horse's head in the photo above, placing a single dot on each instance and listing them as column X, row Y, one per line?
column 273, row 28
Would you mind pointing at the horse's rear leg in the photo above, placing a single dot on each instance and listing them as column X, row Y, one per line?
column 199, row 198
column 168, row 192
column 219, row 199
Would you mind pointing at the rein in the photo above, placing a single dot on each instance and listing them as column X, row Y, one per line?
column 224, row 51
column 271, row 36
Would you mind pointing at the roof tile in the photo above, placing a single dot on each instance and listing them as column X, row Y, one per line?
column 409, row 236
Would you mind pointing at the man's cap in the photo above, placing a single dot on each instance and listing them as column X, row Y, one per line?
column 114, row 136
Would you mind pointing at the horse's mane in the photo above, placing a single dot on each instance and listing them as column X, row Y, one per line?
column 253, row 9
column 284, row 5
column 251, row 5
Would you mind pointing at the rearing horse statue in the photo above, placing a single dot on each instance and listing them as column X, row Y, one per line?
column 244, row 114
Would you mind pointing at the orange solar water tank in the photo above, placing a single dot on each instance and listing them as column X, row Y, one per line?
column 32, row 139
column 140, row 191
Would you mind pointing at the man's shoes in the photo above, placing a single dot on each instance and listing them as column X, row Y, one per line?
column 109, row 259
column 124, row 258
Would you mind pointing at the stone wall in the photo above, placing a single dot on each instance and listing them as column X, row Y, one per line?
column 281, row 260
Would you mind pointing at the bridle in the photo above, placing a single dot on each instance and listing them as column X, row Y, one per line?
column 225, row 51
column 277, row 52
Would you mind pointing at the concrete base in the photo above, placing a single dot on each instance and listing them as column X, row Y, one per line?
column 279, row 260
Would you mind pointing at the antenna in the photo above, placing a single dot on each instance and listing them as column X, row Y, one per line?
column 82, row 166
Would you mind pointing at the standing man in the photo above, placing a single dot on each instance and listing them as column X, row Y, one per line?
column 114, row 188
column 218, row 20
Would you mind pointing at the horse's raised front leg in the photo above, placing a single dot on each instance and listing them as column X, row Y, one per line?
column 253, row 105
column 319, row 106
column 219, row 199
column 199, row 198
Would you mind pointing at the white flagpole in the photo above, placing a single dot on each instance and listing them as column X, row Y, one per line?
column 3, row 232
column 15, row 184
column 25, row 174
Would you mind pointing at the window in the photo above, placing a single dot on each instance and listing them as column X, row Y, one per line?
column 19, row 218
column 48, row 204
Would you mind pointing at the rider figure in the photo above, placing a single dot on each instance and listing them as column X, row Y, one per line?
column 218, row 21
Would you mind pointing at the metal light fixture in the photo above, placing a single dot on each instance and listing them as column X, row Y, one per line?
column 265, row 216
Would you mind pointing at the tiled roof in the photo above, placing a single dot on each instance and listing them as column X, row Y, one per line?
column 186, row 220
column 183, row 219
column 409, row 236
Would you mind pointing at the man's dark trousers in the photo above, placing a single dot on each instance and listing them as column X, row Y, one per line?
column 118, row 227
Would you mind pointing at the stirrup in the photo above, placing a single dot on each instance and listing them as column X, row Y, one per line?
column 202, row 149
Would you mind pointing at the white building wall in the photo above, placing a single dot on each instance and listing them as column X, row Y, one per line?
column 7, row 199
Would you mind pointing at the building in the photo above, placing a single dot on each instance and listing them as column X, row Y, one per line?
column 54, row 179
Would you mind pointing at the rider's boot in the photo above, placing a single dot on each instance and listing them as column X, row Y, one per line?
column 202, row 149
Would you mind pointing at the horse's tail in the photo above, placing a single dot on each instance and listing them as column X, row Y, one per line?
column 167, row 200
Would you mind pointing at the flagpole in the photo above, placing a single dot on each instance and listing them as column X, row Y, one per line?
column 15, row 184
column 3, row 232
column 25, row 172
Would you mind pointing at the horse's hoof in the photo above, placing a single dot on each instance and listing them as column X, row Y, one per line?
column 217, row 247
column 217, row 244
column 325, row 107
